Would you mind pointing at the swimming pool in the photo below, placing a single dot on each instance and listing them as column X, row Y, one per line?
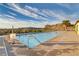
column 32, row 40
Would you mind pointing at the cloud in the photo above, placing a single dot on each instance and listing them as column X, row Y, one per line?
column 65, row 5
column 35, row 13
column 35, row 10
column 47, row 16
column 14, row 14
column 9, row 21
column 57, row 15
column 7, row 17
column 26, row 12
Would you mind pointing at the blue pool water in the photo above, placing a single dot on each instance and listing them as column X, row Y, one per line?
column 33, row 40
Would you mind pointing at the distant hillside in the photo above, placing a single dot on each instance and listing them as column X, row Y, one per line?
column 59, row 27
column 20, row 30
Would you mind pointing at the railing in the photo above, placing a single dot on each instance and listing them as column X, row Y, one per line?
column 34, row 38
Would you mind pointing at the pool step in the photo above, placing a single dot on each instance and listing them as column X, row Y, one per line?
column 62, row 43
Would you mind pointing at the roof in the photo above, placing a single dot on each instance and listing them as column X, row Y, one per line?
column 77, row 22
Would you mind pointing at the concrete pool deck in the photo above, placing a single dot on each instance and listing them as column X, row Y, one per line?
column 3, row 51
column 19, row 49
column 67, row 36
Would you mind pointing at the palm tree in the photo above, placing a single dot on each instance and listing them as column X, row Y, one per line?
column 66, row 22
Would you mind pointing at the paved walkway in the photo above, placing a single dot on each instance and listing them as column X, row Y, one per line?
column 66, row 36
column 3, row 50
column 66, row 41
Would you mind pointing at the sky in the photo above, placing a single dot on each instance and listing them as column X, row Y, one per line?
column 36, row 14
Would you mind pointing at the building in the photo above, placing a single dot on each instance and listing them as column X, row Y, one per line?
column 77, row 27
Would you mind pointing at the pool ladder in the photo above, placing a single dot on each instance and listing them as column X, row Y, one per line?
column 33, row 37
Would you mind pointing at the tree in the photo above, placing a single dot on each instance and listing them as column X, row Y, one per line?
column 66, row 22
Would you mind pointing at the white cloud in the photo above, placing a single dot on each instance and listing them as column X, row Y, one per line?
column 26, row 12
column 9, row 16
column 59, row 15
column 66, row 5
column 31, row 8
column 35, row 10
column 14, row 14
column 8, row 23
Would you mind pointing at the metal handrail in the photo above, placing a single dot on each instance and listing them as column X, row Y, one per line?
column 35, row 38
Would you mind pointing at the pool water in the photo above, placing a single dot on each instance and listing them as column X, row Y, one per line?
column 32, row 40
